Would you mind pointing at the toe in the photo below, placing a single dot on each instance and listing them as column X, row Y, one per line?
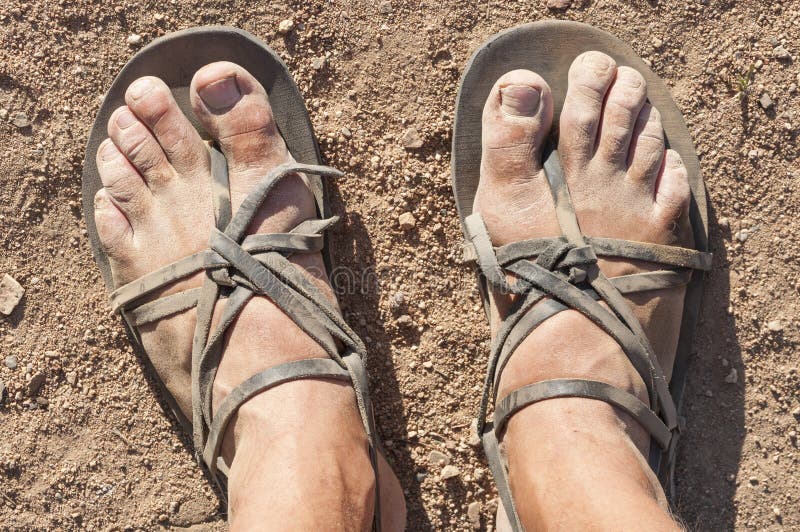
column 113, row 228
column 647, row 146
column 234, row 108
column 673, row 192
column 516, row 121
column 590, row 77
column 625, row 99
column 121, row 181
column 138, row 144
column 152, row 102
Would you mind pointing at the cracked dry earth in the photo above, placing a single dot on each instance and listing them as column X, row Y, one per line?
column 83, row 441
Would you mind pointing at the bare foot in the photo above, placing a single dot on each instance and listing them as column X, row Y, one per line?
column 156, row 208
column 624, row 184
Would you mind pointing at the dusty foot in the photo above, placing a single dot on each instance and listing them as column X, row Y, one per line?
column 156, row 208
column 613, row 154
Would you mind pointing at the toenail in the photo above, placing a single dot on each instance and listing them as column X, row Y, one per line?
column 125, row 119
column 140, row 87
column 598, row 61
column 108, row 151
column 519, row 100
column 221, row 94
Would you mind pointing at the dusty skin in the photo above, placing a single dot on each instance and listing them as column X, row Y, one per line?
column 96, row 452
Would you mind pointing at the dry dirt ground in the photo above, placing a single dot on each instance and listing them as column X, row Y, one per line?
column 83, row 441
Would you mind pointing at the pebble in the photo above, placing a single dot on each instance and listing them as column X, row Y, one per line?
column 742, row 235
column 474, row 514
column 173, row 507
column 449, row 471
column 35, row 384
column 406, row 221
column 657, row 43
column 11, row 293
column 346, row 133
column 780, row 52
column 318, row 63
column 438, row 458
column 286, row 26
column 385, row 7
column 72, row 378
column 404, row 320
column 558, row 4
column 2, row 391
column 775, row 326
column 776, row 511
column 411, row 139
column 724, row 223
column 20, row 120
column 765, row 102
column 732, row 377
column 396, row 300
column 11, row 362
column 427, row 364
column 42, row 402
column 134, row 39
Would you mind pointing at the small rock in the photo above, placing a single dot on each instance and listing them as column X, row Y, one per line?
column 724, row 223
column 775, row 326
column 732, row 377
column 449, row 471
column 742, row 235
column 558, row 4
column 72, row 378
column 20, row 120
column 396, row 300
column 780, row 52
column 2, row 391
column 406, row 221
column 427, row 364
column 318, row 63
column 286, row 26
column 657, row 43
column 421, row 476
column 792, row 88
column 411, row 139
column 385, row 7
column 11, row 362
column 753, row 480
column 765, row 102
column 42, row 402
column 11, row 293
column 405, row 320
column 437, row 458
column 133, row 39
column 173, row 507
column 346, row 133
column 474, row 514
column 776, row 511
column 35, row 384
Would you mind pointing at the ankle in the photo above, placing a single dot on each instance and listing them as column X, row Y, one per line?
column 316, row 456
column 574, row 460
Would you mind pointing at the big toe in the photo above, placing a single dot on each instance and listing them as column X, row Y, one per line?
column 516, row 121
column 234, row 108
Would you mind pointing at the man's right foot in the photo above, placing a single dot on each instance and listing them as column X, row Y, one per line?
column 614, row 160
column 299, row 449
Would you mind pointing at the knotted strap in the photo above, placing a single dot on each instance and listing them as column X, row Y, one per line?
column 237, row 268
column 564, row 275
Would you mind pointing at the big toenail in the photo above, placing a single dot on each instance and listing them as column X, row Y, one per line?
column 125, row 119
column 140, row 87
column 108, row 151
column 221, row 94
column 519, row 100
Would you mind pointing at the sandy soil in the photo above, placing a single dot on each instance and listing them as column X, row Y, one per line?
column 83, row 441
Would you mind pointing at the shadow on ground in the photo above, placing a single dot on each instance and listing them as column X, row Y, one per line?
column 710, row 449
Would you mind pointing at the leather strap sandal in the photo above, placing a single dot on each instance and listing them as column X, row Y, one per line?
column 237, row 267
column 564, row 274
